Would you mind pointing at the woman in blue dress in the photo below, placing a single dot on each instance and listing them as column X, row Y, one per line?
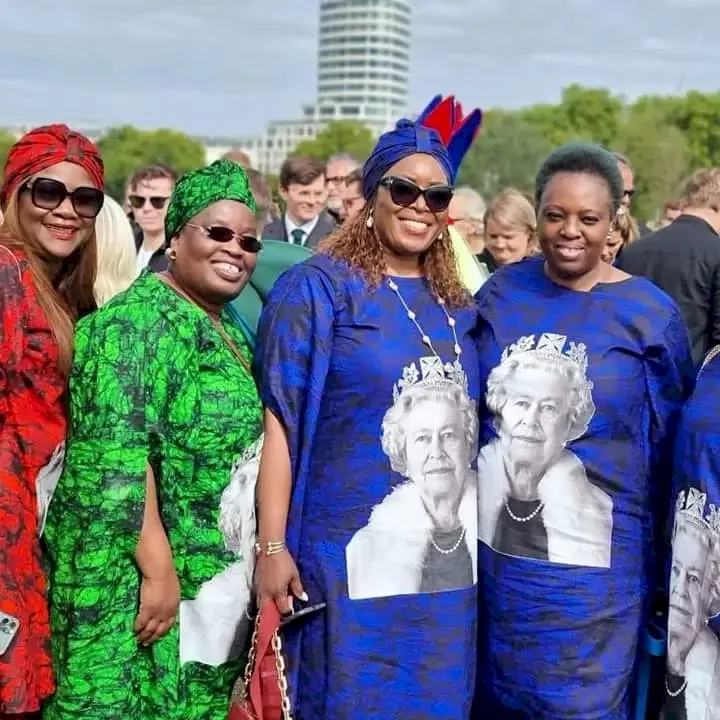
column 692, row 681
column 583, row 371
column 367, row 493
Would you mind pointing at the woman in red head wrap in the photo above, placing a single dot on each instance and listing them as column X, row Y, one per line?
column 50, row 196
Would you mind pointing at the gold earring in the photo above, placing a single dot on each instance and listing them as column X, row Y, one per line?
column 369, row 222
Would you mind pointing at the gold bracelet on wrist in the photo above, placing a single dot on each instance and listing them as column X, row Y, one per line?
column 271, row 548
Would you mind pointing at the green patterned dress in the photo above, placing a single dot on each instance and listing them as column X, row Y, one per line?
column 153, row 382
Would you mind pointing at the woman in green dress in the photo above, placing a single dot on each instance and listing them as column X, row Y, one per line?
column 151, row 529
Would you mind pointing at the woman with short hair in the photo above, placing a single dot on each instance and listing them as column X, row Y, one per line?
column 584, row 370
column 509, row 229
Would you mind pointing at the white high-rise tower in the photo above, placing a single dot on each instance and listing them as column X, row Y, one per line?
column 364, row 60
column 363, row 70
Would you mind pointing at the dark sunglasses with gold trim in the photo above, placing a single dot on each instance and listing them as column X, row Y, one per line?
column 222, row 234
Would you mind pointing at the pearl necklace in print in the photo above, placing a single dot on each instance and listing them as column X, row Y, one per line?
column 425, row 337
column 429, row 343
column 450, row 550
column 516, row 518
column 675, row 693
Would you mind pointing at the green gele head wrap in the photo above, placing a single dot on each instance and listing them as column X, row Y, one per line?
column 198, row 189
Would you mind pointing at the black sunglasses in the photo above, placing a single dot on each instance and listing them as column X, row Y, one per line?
column 405, row 192
column 49, row 194
column 220, row 233
column 138, row 201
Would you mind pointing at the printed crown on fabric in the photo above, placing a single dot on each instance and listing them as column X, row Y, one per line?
column 433, row 373
column 550, row 347
column 690, row 508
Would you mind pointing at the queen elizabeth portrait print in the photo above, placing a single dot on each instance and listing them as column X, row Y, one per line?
column 692, row 681
column 422, row 537
column 535, row 499
column 214, row 625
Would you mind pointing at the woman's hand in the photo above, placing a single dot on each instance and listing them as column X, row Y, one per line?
column 159, row 603
column 160, row 588
column 277, row 579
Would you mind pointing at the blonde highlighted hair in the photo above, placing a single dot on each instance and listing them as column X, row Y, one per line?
column 513, row 209
column 67, row 296
column 116, row 254
column 627, row 227
column 702, row 190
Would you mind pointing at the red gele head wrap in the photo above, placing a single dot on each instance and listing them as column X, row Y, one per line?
column 46, row 146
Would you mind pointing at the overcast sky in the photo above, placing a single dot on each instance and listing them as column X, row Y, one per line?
column 228, row 66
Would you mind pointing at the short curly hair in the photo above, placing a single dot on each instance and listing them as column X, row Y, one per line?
column 585, row 159
column 581, row 407
column 394, row 443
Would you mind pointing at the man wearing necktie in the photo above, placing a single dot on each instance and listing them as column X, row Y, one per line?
column 304, row 189
column 297, row 236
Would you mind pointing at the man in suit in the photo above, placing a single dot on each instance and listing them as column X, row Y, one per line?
column 304, row 189
column 683, row 259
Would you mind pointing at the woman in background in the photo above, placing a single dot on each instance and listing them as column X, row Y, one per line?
column 116, row 255
column 509, row 230
column 625, row 231
column 51, row 194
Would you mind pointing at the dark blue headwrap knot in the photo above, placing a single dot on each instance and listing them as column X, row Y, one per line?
column 406, row 139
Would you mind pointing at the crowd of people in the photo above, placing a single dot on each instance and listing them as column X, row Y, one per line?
column 475, row 441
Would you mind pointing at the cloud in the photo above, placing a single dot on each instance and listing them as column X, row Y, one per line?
column 227, row 67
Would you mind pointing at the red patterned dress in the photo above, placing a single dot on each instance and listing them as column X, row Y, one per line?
column 32, row 435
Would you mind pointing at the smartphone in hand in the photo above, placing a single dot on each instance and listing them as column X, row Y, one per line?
column 9, row 627
column 300, row 614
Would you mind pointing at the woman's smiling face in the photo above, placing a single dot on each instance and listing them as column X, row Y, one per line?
column 574, row 221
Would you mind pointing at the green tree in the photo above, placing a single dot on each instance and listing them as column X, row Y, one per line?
column 660, row 157
column 698, row 118
column 508, row 152
column 590, row 114
column 549, row 121
column 125, row 149
column 339, row 136
column 7, row 140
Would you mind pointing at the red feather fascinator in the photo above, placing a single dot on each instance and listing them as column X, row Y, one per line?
column 445, row 116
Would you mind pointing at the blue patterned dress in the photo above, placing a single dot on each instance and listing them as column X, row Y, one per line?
column 383, row 514
column 581, row 394
column 692, row 683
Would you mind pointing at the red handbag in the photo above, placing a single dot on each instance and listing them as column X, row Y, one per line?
column 265, row 693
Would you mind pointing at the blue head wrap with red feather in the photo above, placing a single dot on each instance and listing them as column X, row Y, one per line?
column 408, row 138
column 440, row 131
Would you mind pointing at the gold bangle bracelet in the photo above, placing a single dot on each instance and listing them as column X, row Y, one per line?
column 271, row 548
